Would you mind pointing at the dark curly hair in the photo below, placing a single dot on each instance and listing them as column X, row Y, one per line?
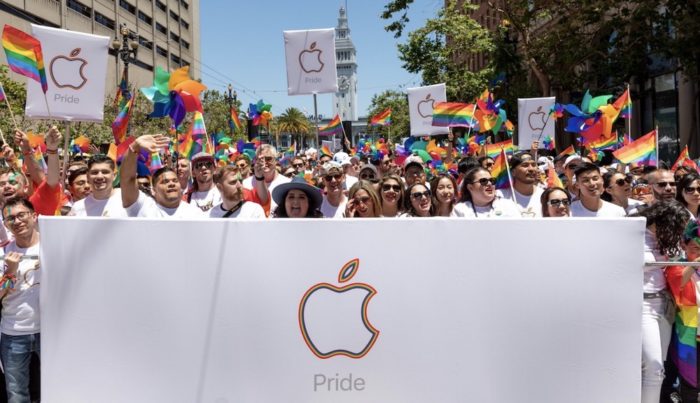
column 670, row 218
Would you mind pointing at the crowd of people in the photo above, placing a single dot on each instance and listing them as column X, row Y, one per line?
column 341, row 186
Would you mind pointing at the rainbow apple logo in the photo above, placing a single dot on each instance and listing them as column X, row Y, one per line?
column 310, row 59
column 425, row 107
column 67, row 72
column 333, row 320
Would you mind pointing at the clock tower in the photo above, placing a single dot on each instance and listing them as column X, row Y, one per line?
column 345, row 100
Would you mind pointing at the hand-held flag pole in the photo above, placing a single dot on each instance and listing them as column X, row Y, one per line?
column 510, row 178
column 9, row 108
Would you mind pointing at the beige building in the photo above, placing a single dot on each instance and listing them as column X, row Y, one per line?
column 167, row 31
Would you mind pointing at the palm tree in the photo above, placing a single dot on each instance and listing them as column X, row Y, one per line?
column 293, row 122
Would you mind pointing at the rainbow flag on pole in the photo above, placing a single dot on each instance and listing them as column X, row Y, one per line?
column 624, row 104
column 334, row 127
column 453, row 114
column 684, row 160
column 24, row 55
column 683, row 344
column 235, row 121
column 2, row 93
column 381, row 119
column 121, row 122
column 499, row 171
column 642, row 150
column 492, row 150
column 604, row 143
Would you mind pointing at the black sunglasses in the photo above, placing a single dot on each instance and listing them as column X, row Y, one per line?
column 664, row 184
column 621, row 182
column 485, row 181
column 418, row 195
column 204, row 164
column 395, row 188
column 558, row 202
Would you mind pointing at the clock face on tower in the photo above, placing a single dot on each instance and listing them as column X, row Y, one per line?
column 343, row 83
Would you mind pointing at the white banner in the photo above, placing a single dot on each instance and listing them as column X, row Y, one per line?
column 534, row 122
column 76, row 71
column 133, row 311
column 310, row 56
column 420, row 109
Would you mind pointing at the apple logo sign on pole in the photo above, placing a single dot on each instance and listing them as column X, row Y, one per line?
column 310, row 58
column 533, row 121
column 76, row 65
column 333, row 320
column 420, row 105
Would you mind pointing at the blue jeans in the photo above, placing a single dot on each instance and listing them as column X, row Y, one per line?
column 16, row 353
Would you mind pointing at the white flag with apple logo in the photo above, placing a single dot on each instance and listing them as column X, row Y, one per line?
column 534, row 122
column 420, row 106
column 76, row 71
column 310, row 57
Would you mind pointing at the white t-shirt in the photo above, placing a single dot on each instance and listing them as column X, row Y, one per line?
column 279, row 179
column 20, row 307
column 349, row 181
column 330, row 211
column 606, row 210
column 633, row 206
column 206, row 200
column 654, row 279
column 500, row 208
column 247, row 210
column 91, row 207
column 146, row 206
column 530, row 206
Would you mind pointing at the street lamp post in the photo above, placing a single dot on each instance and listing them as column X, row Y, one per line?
column 231, row 98
column 126, row 49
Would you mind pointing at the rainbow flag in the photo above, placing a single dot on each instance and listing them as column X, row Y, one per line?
column 39, row 158
column 123, row 94
column 553, row 179
column 292, row 150
column 642, row 150
column 121, row 122
column 112, row 152
column 326, row 151
column 185, row 144
column 381, row 119
column 624, row 104
column 604, row 143
column 570, row 150
column 2, row 93
column 24, row 55
column 492, row 150
column 684, row 160
column 334, row 127
column 683, row 344
column 155, row 162
column 82, row 144
column 235, row 122
column 548, row 143
column 499, row 171
column 453, row 114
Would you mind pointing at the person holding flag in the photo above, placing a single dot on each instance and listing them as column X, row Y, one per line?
column 590, row 203
column 479, row 197
column 525, row 188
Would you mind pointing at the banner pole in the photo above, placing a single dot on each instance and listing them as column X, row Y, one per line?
column 471, row 121
column 318, row 142
column 9, row 108
column 629, row 118
column 656, row 138
column 510, row 179
column 66, row 143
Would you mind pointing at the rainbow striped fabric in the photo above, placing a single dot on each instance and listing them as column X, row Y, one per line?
column 2, row 93
column 499, row 171
column 684, row 160
column 24, row 55
column 326, row 151
column 624, row 104
column 683, row 344
column 121, row 122
column 235, row 121
column 642, row 150
column 334, row 127
column 492, row 150
column 453, row 114
column 381, row 119
column 604, row 143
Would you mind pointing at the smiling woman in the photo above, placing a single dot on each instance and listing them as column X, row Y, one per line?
column 297, row 199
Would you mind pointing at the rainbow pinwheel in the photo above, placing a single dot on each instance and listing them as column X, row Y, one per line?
column 174, row 94
column 260, row 113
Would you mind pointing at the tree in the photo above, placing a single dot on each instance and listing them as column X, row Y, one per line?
column 293, row 122
column 439, row 51
column 398, row 102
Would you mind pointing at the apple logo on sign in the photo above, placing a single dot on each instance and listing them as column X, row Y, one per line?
column 333, row 320
column 536, row 120
column 425, row 107
column 67, row 72
column 310, row 60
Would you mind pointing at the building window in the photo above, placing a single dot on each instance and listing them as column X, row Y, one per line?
column 126, row 6
column 161, row 29
column 145, row 18
column 175, row 59
column 174, row 37
column 145, row 42
column 103, row 20
column 184, row 4
column 161, row 5
column 161, row 51
column 80, row 8
column 184, row 23
column 185, row 44
column 142, row 65
column 185, row 62
column 174, row 16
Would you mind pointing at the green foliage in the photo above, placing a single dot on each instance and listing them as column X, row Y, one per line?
column 400, row 125
column 392, row 8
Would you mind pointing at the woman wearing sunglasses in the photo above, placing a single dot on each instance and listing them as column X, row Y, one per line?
column 689, row 193
column 618, row 190
column 479, row 197
column 444, row 194
column 392, row 195
column 418, row 202
column 555, row 202
column 363, row 201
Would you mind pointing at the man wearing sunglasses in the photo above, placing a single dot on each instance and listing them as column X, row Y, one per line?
column 265, row 176
column 414, row 171
column 527, row 194
column 203, row 193
column 663, row 185
column 334, row 200
column 590, row 184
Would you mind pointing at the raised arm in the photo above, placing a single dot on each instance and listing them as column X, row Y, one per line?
column 53, row 139
column 129, row 186
column 22, row 141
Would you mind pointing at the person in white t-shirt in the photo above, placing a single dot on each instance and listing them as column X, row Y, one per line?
column 20, row 324
column 265, row 173
column 527, row 194
column 334, row 199
column 184, row 173
column 104, row 200
column 166, row 201
column 590, row 184
column 479, row 198
column 618, row 190
column 230, row 185
column 203, row 193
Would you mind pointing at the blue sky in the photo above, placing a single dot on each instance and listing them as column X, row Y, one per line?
column 242, row 44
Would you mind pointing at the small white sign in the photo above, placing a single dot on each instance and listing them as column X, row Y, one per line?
column 310, row 57
column 420, row 106
column 534, row 122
